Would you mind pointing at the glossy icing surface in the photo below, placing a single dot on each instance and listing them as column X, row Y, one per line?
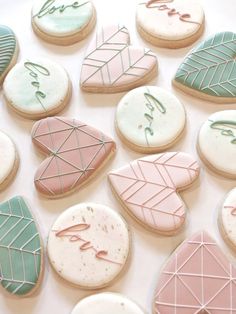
column 20, row 247
column 88, row 245
column 7, row 47
column 198, row 278
column 217, row 141
column 150, row 117
column 7, row 156
column 75, row 152
column 148, row 188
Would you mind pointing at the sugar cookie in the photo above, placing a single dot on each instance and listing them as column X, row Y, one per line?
column 88, row 245
column 37, row 88
column 149, row 119
column 111, row 65
column 217, row 143
column 63, row 22
column 148, row 188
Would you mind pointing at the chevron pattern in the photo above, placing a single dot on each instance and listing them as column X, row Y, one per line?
column 7, row 47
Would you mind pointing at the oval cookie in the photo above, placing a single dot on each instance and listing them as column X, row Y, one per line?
column 170, row 23
column 106, row 303
column 149, row 119
column 8, row 160
column 63, row 22
column 8, row 50
column 89, row 245
column 21, row 253
column 37, row 88
column 217, row 143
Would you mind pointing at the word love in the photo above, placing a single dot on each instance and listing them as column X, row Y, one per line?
column 170, row 11
column 225, row 127
column 72, row 233
column 35, row 70
column 50, row 8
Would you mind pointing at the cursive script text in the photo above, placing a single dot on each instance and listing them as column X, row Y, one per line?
column 225, row 126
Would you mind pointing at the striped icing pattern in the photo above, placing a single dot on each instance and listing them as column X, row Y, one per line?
column 7, row 47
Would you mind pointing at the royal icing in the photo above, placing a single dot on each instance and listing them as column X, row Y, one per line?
column 20, row 248
column 217, row 141
column 36, row 87
column 62, row 17
column 7, row 157
column 148, row 188
column 170, row 19
column 106, row 303
column 75, row 152
column 89, row 245
column 7, row 48
column 110, row 62
column 150, row 117
column 198, row 278
column 211, row 67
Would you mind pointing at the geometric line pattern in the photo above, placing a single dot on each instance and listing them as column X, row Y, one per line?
column 7, row 47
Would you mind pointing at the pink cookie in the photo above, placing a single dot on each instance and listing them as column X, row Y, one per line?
column 111, row 65
column 148, row 189
column 197, row 279
column 76, row 151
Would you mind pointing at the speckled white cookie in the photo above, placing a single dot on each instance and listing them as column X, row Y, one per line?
column 89, row 245
column 63, row 22
column 150, row 119
column 37, row 88
column 170, row 23
column 217, row 142
column 106, row 303
column 227, row 219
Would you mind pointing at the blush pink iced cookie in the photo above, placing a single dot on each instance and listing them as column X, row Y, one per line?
column 147, row 187
column 112, row 65
column 198, row 278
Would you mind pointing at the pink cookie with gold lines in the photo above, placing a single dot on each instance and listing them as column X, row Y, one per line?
column 148, row 188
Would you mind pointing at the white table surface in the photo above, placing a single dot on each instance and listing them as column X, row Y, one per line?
column 149, row 251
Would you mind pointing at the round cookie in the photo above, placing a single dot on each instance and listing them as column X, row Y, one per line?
column 8, row 51
column 37, row 88
column 170, row 23
column 149, row 119
column 227, row 219
column 107, row 303
column 8, row 160
column 88, row 245
column 217, row 143
column 63, row 22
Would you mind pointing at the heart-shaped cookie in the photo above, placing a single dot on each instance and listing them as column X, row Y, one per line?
column 197, row 279
column 76, row 151
column 112, row 65
column 209, row 71
column 148, row 189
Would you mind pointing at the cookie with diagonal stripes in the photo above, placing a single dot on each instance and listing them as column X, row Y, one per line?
column 75, row 152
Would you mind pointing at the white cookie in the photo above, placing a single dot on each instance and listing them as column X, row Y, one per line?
column 106, row 303
column 37, row 88
column 217, row 142
column 89, row 245
column 150, row 119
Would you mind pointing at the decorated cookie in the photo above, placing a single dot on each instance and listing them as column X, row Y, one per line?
column 149, row 119
column 198, row 278
column 75, row 152
column 170, row 23
column 8, row 160
column 88, row 245
column 217, row 143
column 111, row 65
column 21, row 253
column 209, row 71
column 63, row 22
column 148, row 188
column 37, row 88
column 107, row 303
column 8, row 51
column 227, row 219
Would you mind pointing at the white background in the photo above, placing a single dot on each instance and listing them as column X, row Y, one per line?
column 149, row 251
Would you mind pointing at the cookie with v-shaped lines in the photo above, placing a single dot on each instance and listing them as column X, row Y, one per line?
column 75, row 151
column 112, row 65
